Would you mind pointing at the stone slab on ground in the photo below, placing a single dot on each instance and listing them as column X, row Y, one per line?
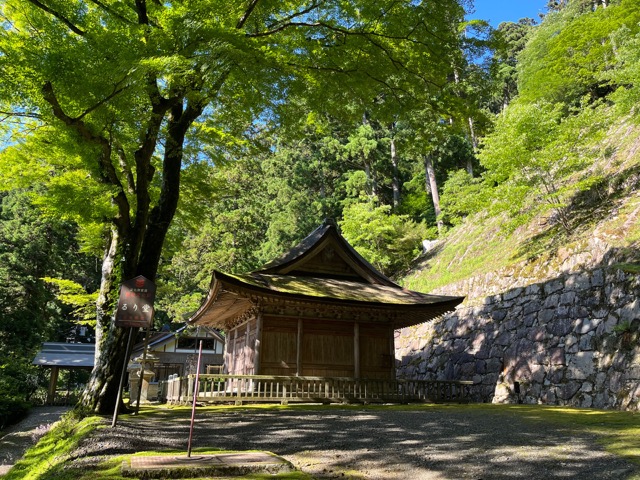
column 219, row 464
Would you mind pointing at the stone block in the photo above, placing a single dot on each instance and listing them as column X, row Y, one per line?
column 538, row 374
column 493, row 365
column 579, row 311
column 615, row 382
column 580, row 366
column 586, row 342
column 553, row 286
column 568, row 298
column 512, row 294
column 597, row 278
column 537, row 334
column 531, row 307
column 546, row 316
column 570, row 340
column 560, row 327
column 552, row 301
column 586, row 325
column 503, row 339
column 530, row 320
column 499, row 315
column 578, row 281
column 533, row 289
column 629, row 312
column 568, row 390
column 481, row 367
column 557, row 357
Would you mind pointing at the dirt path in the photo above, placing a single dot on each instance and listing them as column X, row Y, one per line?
column 335, row 443
column 15, row 440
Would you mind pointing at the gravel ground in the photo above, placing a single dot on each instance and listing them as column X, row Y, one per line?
column 334, row 442
column 15, row 440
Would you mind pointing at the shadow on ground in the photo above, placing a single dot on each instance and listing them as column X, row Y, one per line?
column 421, row 443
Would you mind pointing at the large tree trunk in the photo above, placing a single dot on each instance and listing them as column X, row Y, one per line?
column 135, row 251
column 435, row 197
column 396, row 175
column 101, row 391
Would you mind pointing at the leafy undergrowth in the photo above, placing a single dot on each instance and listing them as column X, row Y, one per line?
column 618, row 432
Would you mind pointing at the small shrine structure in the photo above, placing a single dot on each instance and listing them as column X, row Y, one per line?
column 320, row 310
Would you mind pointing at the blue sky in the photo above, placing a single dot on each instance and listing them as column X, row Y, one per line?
column 498, row 11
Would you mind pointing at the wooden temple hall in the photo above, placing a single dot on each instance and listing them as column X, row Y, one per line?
column 321, row 310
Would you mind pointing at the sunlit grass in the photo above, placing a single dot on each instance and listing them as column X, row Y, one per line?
column 53, row 448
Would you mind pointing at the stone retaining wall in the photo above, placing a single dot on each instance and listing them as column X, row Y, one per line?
column 571, row 340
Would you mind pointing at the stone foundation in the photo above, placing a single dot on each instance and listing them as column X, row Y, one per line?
column 571, row 340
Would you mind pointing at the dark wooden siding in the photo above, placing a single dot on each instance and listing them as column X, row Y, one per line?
column 278, row 349
column 327, row 348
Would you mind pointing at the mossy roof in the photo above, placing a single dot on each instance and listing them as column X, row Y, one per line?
column 332, row 288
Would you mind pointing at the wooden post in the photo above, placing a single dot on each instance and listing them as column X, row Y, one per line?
column 392, row 352
column 53, row 383
column 356, row 350
column 144, row 360
column 299, row 349
column 245, row 349
column 232, row 370
column 256, row 348
column 195, row 399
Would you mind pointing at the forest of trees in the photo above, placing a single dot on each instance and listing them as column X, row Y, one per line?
column 166, row 140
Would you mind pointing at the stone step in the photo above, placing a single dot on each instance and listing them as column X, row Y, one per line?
column 227, row 464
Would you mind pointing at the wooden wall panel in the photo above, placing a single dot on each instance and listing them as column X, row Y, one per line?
column 327, row 349
column 241, row 344
column 375, row 354
column 278, row 353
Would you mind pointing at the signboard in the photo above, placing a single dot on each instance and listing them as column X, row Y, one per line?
column 135, row 306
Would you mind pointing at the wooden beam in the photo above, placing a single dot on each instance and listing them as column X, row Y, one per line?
column 299, row 349
column 356, row 350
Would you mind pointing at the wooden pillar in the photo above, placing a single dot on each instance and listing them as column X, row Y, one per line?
column 226, row 365
column 53, row 382
column 245, row 349
column 256, row 348
column 234, row 354
column 299, row 349
column 356, row 350
column 392, row 351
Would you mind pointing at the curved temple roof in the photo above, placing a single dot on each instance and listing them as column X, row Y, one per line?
column 322, row 269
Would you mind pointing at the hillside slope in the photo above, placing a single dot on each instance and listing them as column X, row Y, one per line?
column 605, row 227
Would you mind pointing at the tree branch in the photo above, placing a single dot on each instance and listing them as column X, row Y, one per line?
column 110, row 11
column 141, row 9
column 113, row 94
column 247, row 13
column 20, row 114
column 108, row 174
column 59, row 16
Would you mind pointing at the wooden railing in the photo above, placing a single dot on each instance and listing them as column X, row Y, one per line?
column 283, row 389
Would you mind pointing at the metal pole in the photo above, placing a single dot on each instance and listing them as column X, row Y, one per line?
column 124, row 371
column 144, row 359
column 195, row 397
